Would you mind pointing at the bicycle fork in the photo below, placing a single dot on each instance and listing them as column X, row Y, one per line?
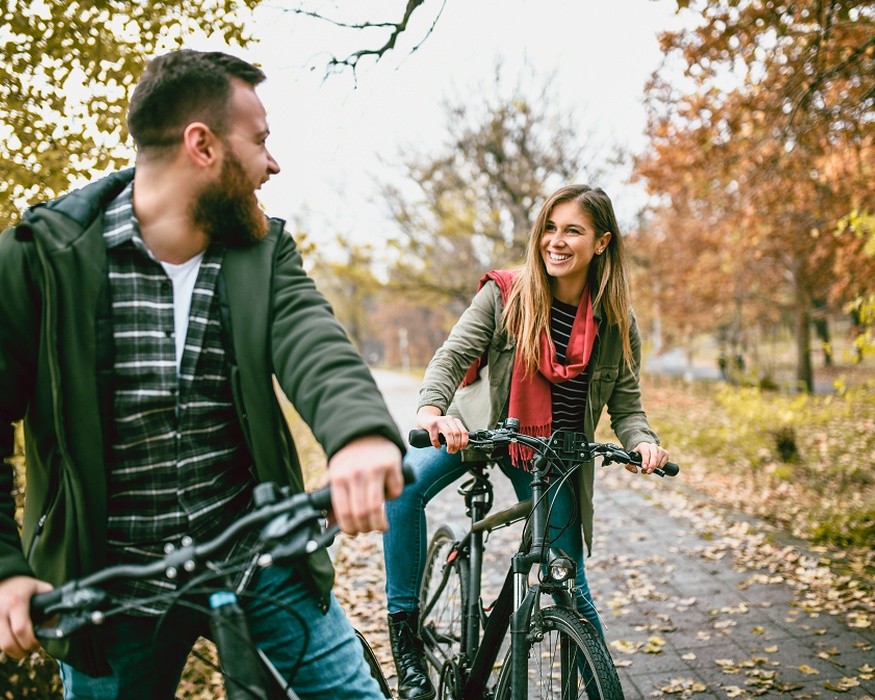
column 526, row 597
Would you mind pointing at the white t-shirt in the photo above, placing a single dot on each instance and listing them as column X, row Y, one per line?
column 183, row 278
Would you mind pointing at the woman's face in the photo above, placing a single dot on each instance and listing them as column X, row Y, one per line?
column 569, row 243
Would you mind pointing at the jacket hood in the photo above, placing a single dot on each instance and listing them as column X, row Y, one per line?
column 80, row 206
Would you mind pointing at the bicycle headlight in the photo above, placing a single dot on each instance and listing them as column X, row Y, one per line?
column 561, row 566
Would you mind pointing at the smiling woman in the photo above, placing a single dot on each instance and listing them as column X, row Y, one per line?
column 561, row 344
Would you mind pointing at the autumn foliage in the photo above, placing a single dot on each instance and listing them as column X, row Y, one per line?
column 760, row 144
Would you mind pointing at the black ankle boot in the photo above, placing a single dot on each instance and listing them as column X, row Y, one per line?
column 413, row 682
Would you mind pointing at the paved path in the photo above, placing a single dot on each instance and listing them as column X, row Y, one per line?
column 683, row 618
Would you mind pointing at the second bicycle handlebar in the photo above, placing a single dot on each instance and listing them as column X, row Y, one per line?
column 570, row 445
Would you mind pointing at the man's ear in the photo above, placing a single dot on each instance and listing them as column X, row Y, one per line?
column 201, row 144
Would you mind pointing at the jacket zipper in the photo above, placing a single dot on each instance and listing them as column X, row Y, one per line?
column 48, row 291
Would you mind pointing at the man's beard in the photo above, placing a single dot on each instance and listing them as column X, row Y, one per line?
column 227, row 210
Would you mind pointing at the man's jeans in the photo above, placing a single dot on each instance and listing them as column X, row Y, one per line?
column 405, row 546
column 148, row 654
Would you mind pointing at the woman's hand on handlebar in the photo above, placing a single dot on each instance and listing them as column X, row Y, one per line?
column 455, row 433
column 16, row 629
column 652, row 457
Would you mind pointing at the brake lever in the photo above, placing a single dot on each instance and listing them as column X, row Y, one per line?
column 77, row 609
column 67, row 625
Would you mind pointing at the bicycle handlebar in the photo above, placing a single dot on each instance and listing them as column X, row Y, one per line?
column 281, row 516
column 574, row 445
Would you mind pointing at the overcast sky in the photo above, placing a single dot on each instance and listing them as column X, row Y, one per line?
column 327, row 135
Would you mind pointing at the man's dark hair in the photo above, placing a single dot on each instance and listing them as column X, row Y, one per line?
column 182, row 87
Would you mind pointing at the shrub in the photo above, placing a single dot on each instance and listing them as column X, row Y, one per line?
column 801, row 461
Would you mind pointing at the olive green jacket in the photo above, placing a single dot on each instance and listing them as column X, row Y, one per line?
column 612, row 383
column 277, row 325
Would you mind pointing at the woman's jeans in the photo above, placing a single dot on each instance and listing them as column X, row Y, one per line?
column 319, row 654
column 405, row 546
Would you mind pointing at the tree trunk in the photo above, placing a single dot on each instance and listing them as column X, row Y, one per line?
column 804, row 375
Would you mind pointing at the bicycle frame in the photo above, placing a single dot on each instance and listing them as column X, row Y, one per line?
column 467, row 668
column 517, row 600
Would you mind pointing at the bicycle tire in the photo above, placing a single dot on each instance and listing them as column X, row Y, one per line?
column 374, row 665
column 555, row 660
column 442, row 600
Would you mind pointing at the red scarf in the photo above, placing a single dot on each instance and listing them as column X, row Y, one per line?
column 530, row 396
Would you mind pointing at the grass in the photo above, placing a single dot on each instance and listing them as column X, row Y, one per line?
column 800, row 462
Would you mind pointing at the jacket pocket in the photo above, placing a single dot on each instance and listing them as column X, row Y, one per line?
column 601, row 385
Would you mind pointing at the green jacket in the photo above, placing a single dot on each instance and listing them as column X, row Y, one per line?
column 612, row 383
column 276, row 323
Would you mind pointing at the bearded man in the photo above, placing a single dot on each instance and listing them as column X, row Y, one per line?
column 143, row 322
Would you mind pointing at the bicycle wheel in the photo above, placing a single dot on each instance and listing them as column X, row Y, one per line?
column 443, row 596
column 374, row 665
column 556, row 662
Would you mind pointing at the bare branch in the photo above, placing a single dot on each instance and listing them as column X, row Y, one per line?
column 396, row 29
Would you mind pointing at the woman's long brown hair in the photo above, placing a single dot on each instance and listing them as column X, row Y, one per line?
column 527, row 311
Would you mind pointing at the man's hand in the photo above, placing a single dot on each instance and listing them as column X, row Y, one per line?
column 363, row 475
column 16, row 630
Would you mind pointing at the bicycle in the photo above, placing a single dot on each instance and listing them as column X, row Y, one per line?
column 569, row 656
column 292, row 526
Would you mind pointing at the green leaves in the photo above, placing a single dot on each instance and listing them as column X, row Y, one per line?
column 65, row 80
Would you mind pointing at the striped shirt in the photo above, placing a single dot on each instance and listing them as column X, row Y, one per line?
column 569, row 397
column 177, row 459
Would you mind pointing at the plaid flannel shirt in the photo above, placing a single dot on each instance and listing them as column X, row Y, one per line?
column 177, row 459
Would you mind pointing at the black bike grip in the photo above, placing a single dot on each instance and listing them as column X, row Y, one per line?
column 421, row 438
column 321, row 498
column 671, row 469
column 42, row 603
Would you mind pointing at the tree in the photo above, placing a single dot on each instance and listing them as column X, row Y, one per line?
column 468, row 207
column 350, row 286
column 64, row 82
column 762, row 135
column 861, row 226
column 68, row 69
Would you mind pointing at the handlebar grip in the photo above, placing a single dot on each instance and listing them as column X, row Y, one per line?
column 671, row 469
column 421, row 438
column 321, row 498
column 42, row 603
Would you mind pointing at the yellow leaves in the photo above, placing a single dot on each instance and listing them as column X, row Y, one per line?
column 859, row 620
column 625, row 647
column 654, row 645
column 728, row 665
column 684, row 687
column 843, row 686
column 806, row 669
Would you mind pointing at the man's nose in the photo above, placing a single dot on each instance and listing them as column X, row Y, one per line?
column 272, row 166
